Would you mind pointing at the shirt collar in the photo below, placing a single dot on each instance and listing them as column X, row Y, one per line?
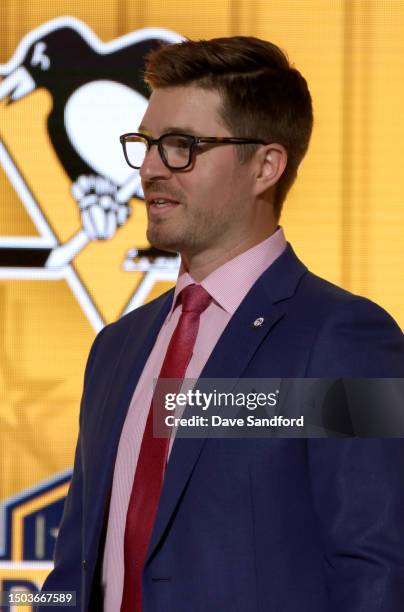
column 229, row 284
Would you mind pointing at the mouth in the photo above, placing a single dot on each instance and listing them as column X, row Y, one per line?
column 158, row 206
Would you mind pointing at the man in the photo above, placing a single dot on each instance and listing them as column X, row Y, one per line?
column 216, row 524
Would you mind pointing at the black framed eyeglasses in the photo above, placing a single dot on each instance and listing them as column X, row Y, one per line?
column 175, row 149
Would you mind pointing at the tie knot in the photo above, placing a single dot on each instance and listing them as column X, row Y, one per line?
column 195, row 298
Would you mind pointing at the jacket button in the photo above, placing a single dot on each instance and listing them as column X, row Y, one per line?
column 84, row 563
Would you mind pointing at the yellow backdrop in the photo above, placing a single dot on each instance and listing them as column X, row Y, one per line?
column 344, row 216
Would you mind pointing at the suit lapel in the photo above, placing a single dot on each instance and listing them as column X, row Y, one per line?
column 236, row 347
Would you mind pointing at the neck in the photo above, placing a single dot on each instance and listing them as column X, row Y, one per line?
column 200, row 265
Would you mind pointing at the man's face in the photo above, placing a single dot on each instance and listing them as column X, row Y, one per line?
column 207, row 207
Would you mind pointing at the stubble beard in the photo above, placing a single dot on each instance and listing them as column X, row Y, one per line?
column 160, row 238
column 199, row 232
column 179, row 238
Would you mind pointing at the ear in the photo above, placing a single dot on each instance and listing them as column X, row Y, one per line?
column 271, row 163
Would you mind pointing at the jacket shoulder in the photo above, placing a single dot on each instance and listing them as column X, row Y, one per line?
column 330, row 298
column 139, row 315
column 353, row 333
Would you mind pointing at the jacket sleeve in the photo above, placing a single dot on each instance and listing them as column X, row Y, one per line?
column 358, row 495
column 357, row 484
column 67, row 574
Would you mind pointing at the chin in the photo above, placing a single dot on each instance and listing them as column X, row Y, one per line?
column 163, row 243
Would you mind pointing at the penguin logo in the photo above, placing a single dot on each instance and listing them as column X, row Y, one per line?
column 65, row 97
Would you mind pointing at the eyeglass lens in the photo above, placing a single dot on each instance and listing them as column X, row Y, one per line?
column 176, row 150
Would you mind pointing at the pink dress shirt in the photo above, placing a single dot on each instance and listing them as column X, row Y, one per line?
column 228, row 285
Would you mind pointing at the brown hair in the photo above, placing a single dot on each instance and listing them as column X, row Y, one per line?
column 263, row 96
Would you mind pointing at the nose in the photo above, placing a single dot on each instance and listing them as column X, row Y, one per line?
column 153, row 167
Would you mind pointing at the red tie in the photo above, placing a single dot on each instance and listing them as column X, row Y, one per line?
column 151, row 464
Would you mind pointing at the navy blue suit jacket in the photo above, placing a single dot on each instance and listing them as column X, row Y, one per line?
column 247, row 525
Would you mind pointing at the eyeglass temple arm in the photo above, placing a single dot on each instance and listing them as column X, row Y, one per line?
column 228, row 140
